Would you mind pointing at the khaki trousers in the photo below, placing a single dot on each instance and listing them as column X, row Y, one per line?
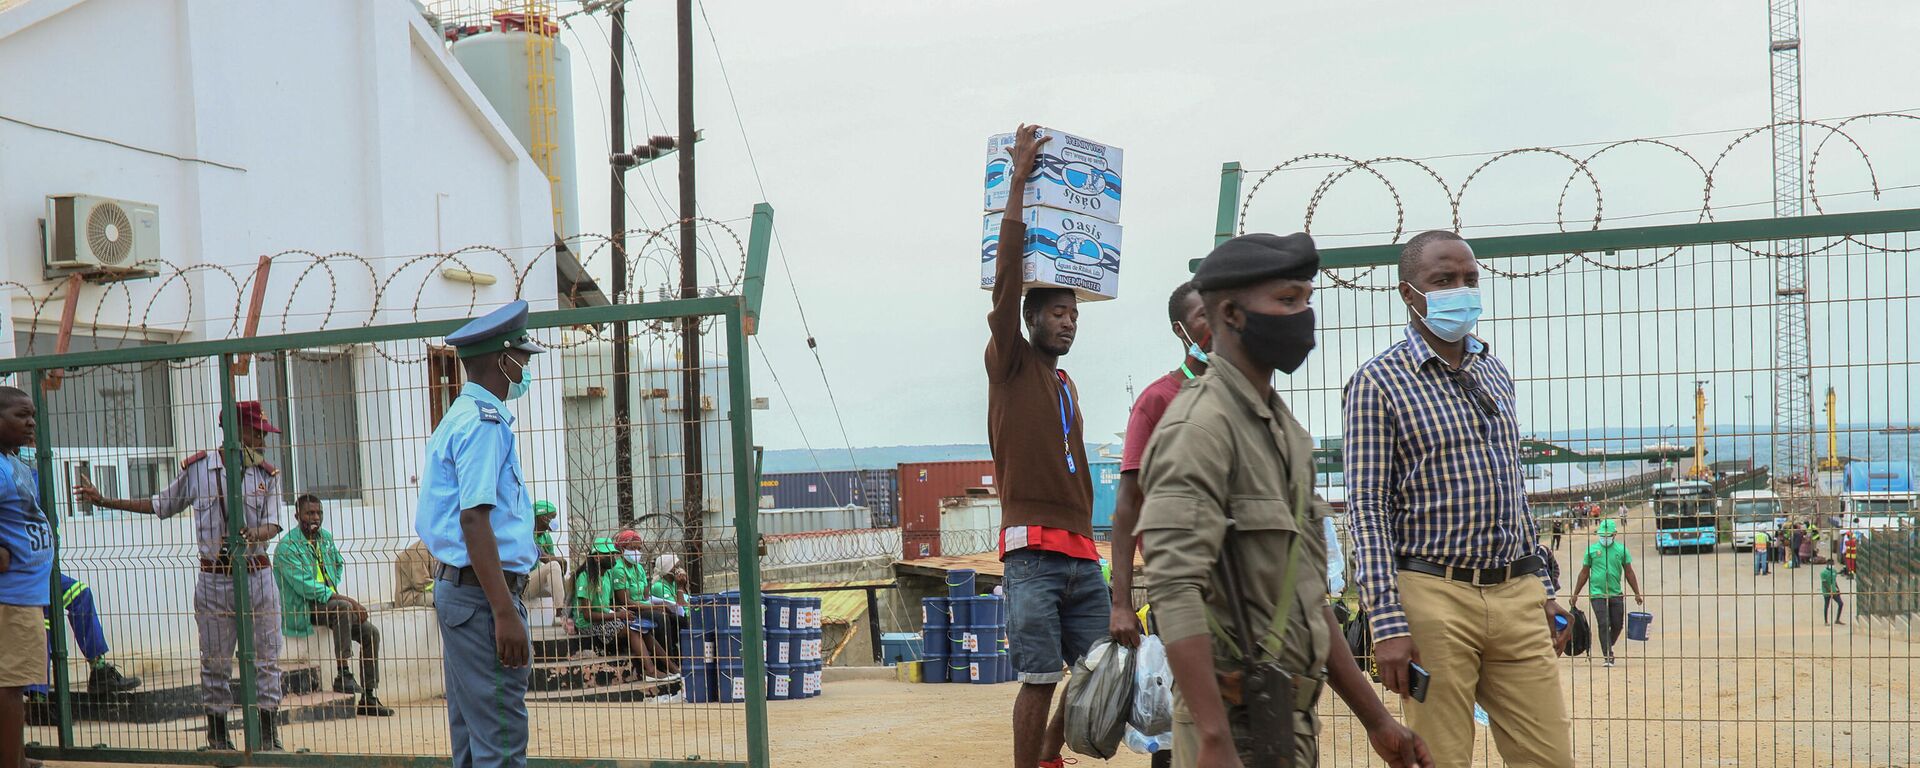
column 1490, row 645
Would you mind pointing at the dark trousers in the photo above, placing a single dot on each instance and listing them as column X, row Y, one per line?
column 486, row 702
column 347, row 630
column 1834, row 603
column 1610, row 616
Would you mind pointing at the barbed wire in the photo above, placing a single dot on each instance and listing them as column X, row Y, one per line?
column 1343, row 166
column 171, row 307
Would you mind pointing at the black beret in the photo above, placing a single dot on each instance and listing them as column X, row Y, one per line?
column 1257, row 258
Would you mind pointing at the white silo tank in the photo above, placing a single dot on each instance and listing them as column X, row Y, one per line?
column 497, row 62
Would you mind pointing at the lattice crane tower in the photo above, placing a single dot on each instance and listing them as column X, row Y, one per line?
column 1792, row 364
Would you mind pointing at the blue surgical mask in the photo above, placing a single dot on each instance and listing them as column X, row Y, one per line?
column 517, row 389
column 1606, row 541
column 1193, row 348
column 1452, row 313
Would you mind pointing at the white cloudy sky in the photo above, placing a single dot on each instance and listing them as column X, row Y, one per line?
column 868, row 119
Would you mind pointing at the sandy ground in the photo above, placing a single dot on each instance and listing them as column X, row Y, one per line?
column 1739, row 671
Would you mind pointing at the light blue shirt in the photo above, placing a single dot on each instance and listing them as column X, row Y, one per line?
column 27, row 535
column 472, row 462
column 1336, row 559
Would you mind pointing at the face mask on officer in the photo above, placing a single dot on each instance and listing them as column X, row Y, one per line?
column 1278, row 341
column 519, row 381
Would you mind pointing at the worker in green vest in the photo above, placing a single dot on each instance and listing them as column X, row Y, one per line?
column 1607, row 561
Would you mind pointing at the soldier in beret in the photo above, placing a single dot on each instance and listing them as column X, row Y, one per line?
column 1235, row 564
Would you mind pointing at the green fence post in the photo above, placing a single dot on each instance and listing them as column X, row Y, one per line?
column 746, row 532
column 754, row 285
column 235, row 504
column 1226, row 220
column 50, row 506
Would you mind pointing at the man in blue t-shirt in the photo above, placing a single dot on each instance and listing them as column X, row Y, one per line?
column 26, row 570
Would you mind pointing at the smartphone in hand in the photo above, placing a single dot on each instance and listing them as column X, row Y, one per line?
column 1420, row 682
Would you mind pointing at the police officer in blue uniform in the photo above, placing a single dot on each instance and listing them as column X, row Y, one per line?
column 476, row 518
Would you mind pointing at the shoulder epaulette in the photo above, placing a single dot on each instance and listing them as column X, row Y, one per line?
column 489, row 413
column 191, row 460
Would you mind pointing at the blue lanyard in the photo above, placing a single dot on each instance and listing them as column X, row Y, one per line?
column 1066, row 432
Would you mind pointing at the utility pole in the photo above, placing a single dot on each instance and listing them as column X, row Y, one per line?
column 691, row 411
column 622, row 377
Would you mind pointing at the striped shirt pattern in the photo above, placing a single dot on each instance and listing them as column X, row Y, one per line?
column 1430, row 474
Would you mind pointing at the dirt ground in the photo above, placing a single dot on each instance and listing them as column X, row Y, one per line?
column 1739, row 671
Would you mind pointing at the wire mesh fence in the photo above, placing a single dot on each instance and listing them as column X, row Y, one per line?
column 1645, row 377
column 154, row 552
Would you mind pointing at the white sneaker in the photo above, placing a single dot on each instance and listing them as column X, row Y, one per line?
column 1608, row 664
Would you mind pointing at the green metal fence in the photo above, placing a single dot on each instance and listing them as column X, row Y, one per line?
column 1614, row 338
column 357, row 406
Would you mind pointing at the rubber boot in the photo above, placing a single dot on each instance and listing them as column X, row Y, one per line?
column 370, row 706
column 217, row 733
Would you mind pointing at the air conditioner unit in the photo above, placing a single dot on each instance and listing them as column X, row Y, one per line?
column 86, row 232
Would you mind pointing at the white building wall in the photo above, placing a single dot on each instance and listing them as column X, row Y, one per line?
column 357, row 133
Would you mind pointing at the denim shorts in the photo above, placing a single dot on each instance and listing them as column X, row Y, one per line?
column 1056, row 610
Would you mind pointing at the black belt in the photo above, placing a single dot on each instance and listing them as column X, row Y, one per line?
column 1481, row 577
column 466, row 577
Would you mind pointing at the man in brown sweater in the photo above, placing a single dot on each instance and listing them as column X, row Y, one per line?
column 1056, row 598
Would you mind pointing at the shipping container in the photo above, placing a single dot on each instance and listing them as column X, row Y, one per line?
column 880, row 492
column 969, row 525
column 799, row 490
column 1106, row 492
column 922, row 486
column 808, row 519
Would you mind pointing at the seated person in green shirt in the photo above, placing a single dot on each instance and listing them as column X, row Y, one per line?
column 307, row 567
column 634, row 594
column 599, row 609
column 549, row 576
column 668, row 589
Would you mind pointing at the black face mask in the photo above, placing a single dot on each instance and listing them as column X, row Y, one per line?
column 1279, row 341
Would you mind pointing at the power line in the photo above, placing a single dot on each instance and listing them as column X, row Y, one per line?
column 120, row 144
column 779, row 247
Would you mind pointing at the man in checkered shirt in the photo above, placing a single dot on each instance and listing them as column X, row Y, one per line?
column 1445, row 547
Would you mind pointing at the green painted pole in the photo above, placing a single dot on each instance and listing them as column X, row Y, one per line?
column 1226, row 220
column 235, row 504
column 755, row 283
column 57, row 621
column 747, row 534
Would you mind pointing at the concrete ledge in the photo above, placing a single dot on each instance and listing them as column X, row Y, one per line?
column 837, row 674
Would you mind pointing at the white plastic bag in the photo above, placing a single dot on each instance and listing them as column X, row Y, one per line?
column 1152, row 688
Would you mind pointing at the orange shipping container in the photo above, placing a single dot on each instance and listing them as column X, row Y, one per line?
column 922, row 486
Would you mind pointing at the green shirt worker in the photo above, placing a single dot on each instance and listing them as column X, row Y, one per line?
column 1230, row 530
column 549, row 576
column 308, row 567
column 1830, row 597
column 1606, row 562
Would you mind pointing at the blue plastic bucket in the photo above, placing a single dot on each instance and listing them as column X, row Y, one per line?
column 983, row 668
column 935, row 613
column 977, row 639
column 783, row 682
column 730, row 642
column 715, row 612
column 730, row 682
column 989, row 610
column 811, row 641
column 697, row 679
column 697, row 646
column 810, row 608
column 779, row 612
column 960, row 610
column 1006, row 667
column 816, row 678
column 934, row 643
column 958, row 670
column 1637, row 624
column 933, row 669
column 780, row 647
column 960, row 582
